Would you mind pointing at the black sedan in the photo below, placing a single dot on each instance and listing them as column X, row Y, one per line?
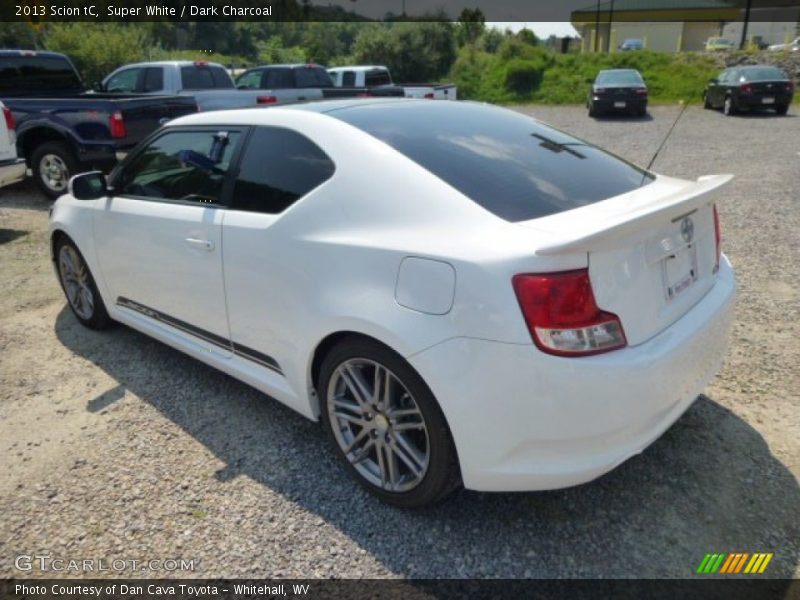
column 751, row 87
column 617, row 90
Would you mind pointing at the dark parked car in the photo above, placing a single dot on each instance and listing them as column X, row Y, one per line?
column 751, row 87
column 631, row 44
column 617, row 90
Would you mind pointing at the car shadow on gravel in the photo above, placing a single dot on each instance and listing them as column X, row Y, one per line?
column 24, row 194
column 710, row 484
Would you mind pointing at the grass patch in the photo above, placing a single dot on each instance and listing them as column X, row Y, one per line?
column 533, row 74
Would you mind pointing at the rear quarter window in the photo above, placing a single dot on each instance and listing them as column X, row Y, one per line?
column 279, row 166
column 510, row 164
column 196, row 77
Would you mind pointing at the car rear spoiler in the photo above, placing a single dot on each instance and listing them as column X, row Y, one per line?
column 591, row 236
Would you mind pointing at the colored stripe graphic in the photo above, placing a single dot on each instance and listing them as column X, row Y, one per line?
column 735, row 563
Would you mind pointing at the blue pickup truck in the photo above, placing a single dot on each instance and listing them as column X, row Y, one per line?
column 62, row 129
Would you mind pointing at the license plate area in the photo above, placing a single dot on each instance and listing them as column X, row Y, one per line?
column 619, row 104
column 768, row 100
column 679, row 271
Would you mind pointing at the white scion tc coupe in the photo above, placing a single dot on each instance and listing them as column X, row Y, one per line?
column 461, row 293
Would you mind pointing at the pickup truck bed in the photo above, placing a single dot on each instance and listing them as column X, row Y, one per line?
column 282, row 84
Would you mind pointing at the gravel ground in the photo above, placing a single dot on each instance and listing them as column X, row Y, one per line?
column 118, row 447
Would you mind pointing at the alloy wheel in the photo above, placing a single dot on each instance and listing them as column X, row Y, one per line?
column 75, row 279
column 378, row 425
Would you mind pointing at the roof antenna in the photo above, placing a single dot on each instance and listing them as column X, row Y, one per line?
column 664, row 141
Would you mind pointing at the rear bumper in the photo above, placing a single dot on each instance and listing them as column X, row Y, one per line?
column 524, row 420
column 12, row 171
column 757, row 100
column 609, row 104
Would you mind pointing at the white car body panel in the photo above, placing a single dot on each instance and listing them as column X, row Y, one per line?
column 431, row 280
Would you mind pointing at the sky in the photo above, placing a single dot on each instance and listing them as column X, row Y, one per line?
column 541, row 29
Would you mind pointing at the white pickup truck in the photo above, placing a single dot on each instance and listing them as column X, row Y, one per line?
column 208, row 83
column 370, row 76
column 12, row 169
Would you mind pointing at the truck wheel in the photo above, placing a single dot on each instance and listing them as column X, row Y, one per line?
column 53, row 163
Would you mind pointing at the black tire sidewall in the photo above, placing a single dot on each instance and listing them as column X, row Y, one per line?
column 99, row 318
column 443, row 475
column 63, row 151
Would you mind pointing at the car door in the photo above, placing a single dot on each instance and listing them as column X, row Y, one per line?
column 159, row 233
column 278, row 167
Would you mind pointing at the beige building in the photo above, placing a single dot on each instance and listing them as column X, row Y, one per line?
column 680, row 25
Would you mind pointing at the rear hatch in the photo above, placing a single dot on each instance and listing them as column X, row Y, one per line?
column 652, row 252
column 768, row 90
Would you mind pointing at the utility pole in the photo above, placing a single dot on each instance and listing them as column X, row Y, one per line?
column 611, row 20
column 597, row 26
column 744, row 25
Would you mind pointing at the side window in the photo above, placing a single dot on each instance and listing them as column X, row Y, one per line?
column 279, row 79
column 153, row 79
column 349, row 79
column 279, row 166
column 250, row 80
column 124, row 82
column 181, row 165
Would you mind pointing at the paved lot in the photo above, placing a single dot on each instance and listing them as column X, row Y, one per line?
column 115, row 446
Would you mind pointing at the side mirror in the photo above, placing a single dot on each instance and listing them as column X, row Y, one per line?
column 98, row 86
column 88, row 186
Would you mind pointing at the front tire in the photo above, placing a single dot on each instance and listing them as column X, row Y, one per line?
column 386, row 425
column 53, row 163
column 79, row 286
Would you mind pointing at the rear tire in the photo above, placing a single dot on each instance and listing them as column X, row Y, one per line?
column 782, row 109
column 729, row 108
column 79, row 286
column 372, row 432
column 53, row 163
column 706, row 103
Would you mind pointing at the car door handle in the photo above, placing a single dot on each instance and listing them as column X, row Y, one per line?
column 204, row 244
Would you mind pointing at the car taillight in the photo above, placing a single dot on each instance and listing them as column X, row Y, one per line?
column 717, row 237
column 10, row 124
column 641, row 91
column 117, row 125
column 428, row 96
column 790, row 87
column 599, row 91
column 267, row 100
column 746, row 88
column 563, row 317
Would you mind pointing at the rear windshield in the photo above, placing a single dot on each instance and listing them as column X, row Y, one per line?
column 198, row 77
column 761, row 74
column 510, row 164
column 619, row 77
column 21, row 74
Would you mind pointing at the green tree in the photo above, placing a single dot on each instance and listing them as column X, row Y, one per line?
column 99, row 48
column 471, row 25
